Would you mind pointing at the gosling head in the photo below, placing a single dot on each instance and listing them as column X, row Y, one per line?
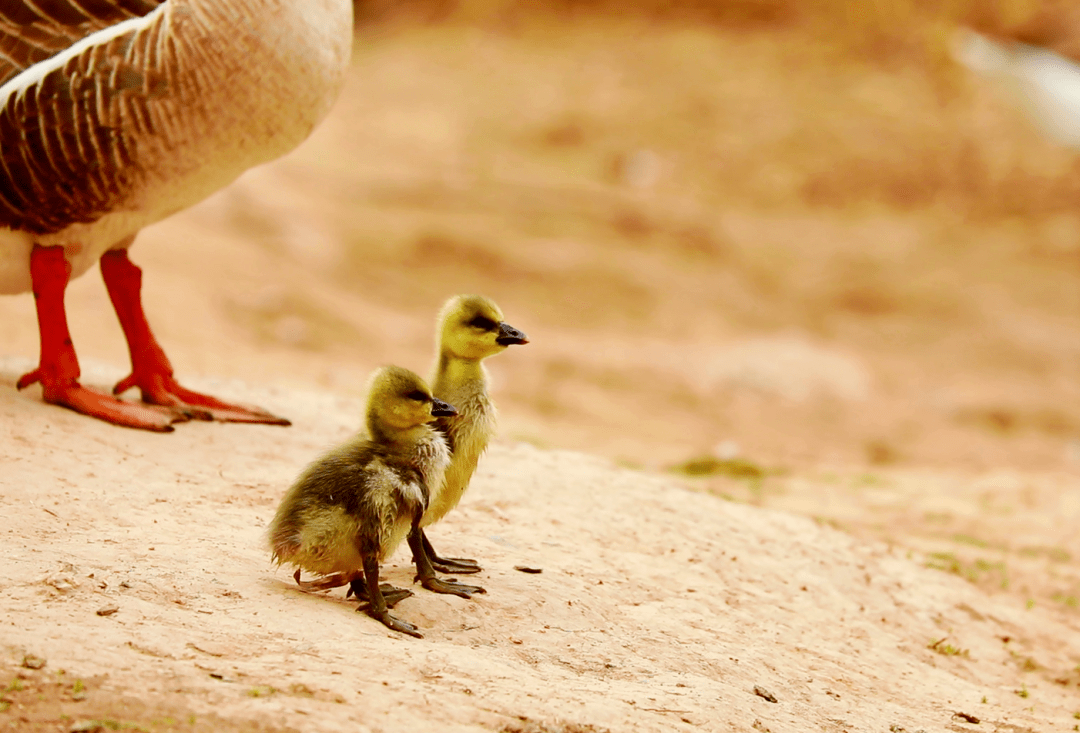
column 472, row 327
column 399, row 400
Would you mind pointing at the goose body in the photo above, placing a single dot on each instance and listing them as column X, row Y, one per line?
column 115, row 114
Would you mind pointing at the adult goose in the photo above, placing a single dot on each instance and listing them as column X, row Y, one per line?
column 115, row 114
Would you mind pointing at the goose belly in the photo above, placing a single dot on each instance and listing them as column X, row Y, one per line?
column 83, row 246
column 244, row 83
column 15, row 261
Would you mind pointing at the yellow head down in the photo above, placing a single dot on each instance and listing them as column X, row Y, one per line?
column 399, row 400
column 472, row 327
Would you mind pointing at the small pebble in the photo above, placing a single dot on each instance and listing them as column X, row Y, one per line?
column 62, row 584
column 108, row 610
column 526, row 569
column 762, row 692
column 32, row 661
column 88, row 726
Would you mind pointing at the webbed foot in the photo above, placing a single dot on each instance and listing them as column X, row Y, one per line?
column 151, row 370
column 159, row 388
column 448, row 586
column 390, row 622
column 69, row 393
column 460, row 565
column 392, row 595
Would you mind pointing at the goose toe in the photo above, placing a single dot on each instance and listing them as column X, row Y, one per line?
column 94, row 403
column 161, row 389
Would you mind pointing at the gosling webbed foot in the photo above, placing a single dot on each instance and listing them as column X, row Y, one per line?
column 425, row 570
column 459, row 565
column 462, row 565
column 448, row 586
column 390, row 622
column 392, row 595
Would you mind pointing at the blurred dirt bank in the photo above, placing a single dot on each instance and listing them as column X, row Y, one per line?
column 722, row 222
column 748, row 234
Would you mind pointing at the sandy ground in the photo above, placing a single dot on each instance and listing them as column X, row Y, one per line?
column 659, row 608
column 782, row 423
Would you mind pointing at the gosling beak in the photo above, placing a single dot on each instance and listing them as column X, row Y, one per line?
column 508, row 336
column 442, row 409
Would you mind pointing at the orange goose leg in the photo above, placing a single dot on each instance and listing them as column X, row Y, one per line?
column 58, row 367
column 151, row 371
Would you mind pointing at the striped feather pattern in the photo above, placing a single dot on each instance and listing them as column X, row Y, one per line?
column 34, row 30
column 68, row 140
column 151, row 113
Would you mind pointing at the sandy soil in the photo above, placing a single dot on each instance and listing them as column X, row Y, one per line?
column 659, row 608
column 799, row 410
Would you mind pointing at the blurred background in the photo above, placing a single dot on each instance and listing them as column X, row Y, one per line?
column 755, row 234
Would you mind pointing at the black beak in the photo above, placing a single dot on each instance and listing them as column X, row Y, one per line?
column 442, row 409
column 508, row 336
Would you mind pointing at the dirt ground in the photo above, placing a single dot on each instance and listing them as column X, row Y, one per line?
column 800, row 410
column 658, row 608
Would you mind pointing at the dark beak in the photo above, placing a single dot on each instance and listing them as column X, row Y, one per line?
column 442, row 409
column 508, row 336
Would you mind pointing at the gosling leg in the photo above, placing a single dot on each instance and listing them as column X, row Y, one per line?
column 461, row 565
column 377, row 607
column 425, row 573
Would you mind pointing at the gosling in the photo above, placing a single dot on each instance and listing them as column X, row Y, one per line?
column 351, row 508
column 470, row 329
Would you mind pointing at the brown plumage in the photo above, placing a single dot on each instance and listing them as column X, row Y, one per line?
column 79, row 124
column 33, row 33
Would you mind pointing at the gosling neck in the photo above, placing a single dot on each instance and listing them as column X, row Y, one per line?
column 400, row 438
column 453, row 369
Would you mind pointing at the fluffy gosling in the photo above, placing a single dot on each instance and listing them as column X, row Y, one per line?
column 470, row 329
column 351, row 508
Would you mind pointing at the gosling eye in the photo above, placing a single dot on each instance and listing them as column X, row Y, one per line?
column 418, row 396
column 485, row 324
